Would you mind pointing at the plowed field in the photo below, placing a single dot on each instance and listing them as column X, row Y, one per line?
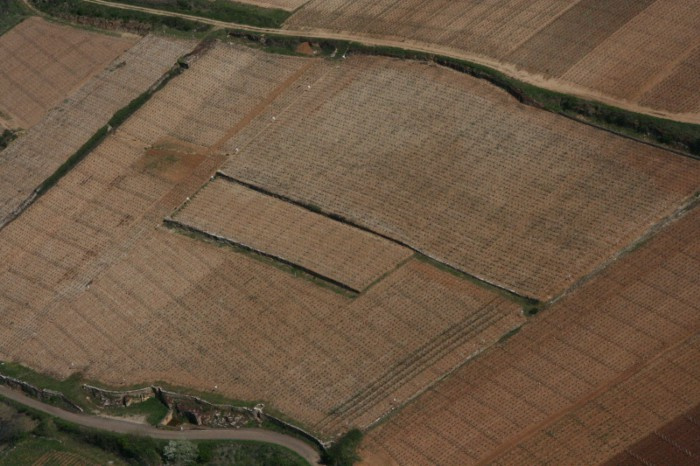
column 606, row 366
column 458, row 170
column 44, row 62
column 331, row 249
column 27, row 162
column 633, row 51
column 289, row 5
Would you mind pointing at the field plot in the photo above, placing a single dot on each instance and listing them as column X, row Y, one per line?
column 458, row 170
column 27, row 162
column 333, row 250
column 617, row 49
column 93, row 282
column 44, row 62
column 678, row 443
column 218, row 95
column 643, row 50
column 482, row 27
column 606, row 366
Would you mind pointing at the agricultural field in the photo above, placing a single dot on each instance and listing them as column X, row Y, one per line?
column 45, row 62
column 632, row 51
column 341, row 253
column 604, row 367
column 458, row 170
column 364, row 242
column 26, row 163
column 95, row 283
column 676, row 443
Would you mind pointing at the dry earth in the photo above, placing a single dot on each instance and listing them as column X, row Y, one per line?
column 608, row 365
column 44, row 62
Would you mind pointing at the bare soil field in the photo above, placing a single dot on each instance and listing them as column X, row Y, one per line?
column 609, row 364
column 614, row 49
column 28, row 161
column 44, row 62
column 331, row 249
column 456, row 169
column 93, row 282
column 678, row 443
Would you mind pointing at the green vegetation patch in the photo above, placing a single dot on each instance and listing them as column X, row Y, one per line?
column 7, row 136
column 116, row 18
column 12, row 12
column 221, row 10
column 344, row 451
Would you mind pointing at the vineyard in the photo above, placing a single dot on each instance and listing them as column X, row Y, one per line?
column 26, row 163
column 343, row 254
column 44, row 62
column 95, row 283
column 459, row 171
column 609, row 364
column 675, row 443
column 618, row 49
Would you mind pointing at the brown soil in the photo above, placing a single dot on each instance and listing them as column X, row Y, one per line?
column 305, row 48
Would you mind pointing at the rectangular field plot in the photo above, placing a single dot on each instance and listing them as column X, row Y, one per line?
column 28, row 161
column 225, row 87
column 328, row 248
column 487, row 28
column 43, row 62
column 647, row 47
column 458, row 170
column 603, row 368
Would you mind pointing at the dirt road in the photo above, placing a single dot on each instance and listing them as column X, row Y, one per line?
column 305, row 450
column 510, row 70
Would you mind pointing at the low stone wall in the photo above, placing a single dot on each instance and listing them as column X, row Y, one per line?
column 42, row 394
column 119, row 398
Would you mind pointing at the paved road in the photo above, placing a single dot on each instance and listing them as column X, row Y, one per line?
column 508, row 69
column 305, row 450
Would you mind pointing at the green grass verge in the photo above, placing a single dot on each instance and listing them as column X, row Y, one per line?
column 221, row 10
column 12, row 12
column 104, row 16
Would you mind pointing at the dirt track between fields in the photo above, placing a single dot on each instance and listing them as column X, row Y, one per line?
column 126, row 427
column 510, row 70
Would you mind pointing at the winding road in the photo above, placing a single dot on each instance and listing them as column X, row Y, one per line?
column 510, row 70
column 302, row 448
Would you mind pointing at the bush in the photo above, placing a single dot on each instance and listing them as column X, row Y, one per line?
column 344, row 451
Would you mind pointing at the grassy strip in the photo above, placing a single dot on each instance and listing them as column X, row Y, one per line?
column 12, row 12
column 116, row 18
column 683, row 137
column 221, row 10
column 117, row 119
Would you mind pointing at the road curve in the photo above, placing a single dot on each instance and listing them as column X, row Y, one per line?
column 510, row 70
column 302, row 448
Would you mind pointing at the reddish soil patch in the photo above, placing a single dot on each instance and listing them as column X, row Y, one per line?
column 305, row 48
column 170, row 159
